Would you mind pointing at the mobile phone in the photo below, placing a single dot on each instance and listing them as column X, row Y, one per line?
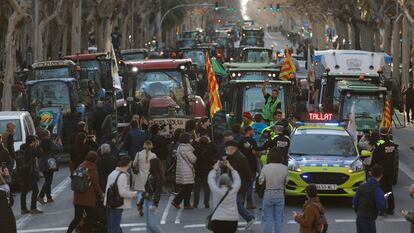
column 387, row 194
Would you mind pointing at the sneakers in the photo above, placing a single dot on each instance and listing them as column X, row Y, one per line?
column 49, row 200
column 41, row 200
column 36, row 211
column 25, row 211
column 250, row 224
column 175, row 205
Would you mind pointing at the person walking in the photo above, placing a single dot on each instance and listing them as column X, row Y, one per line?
column 203, row 128
column 141, row 167
column 239, row 162
column 134, row 140
column 248, row 147
column 152, row 195
column 274, row 176
column 106, row 164
column 369, row 200
column 312, row 211
column 184, row 171
column 5, row 157
column 79, row 151
column 8, row 138
column 7, row 219
column 48, row 165
column 86, row 202
column 384, row 155
column 31, row 175
column 206, row 155
column 160, row 144
column 409, row 102
column 121, row 176
column 409, row 215
column 225, row 192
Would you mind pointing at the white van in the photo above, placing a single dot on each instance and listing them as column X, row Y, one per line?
column 24, row 126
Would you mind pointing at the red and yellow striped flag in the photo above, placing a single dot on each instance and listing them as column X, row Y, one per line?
column 386, row 116
column 288, row 69
column 215, row 103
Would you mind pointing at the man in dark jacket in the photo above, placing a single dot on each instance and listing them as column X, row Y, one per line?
column 206, row 154
column 4, row 153
column 111, row 140
column 239, row 162
column 135, row 139
column 8, row 139
column 106, row 164
column 409, row 102
column 31, row 154
column 369, row 200
column 98, row 118
column 160, row 143
column 248, row 147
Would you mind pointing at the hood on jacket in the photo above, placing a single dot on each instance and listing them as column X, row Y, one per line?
column 372, row 181
column 317, row 203
column 186, row 148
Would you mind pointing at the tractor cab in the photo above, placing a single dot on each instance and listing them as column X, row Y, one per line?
column 134, row 54
column 256, row 55
column 59, row 69
column 252, row 36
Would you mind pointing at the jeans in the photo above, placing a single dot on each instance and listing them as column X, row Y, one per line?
column 273, row 206
column 90, row 218
column 47, row 186
column 113, row 220
column 139, row 198
column 151, row 218
column 184, row 194
column 25, row 190
column 246, row 215
column 201, row 182
column 365, row 225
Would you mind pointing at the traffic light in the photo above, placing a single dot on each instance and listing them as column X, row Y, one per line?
column 278, row 7
column 216, row 6
column 271, row 7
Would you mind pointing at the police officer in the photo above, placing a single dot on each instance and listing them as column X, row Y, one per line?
column 280, row 140
column 384, row 155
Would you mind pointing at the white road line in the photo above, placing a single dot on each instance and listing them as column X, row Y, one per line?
column 138, row 229
column 21, row 222
column 344, row 220
column 166, row 210
column 407, row 170
column 203, row 225
column 138, row 225
column 178, row 217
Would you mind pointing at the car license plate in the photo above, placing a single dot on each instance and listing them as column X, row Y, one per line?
column 326, row 186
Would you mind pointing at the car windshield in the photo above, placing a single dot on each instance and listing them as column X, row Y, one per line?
column 161, row 83
column 133, row 56
column 44, row 94
column 256, row 56
column 188, row 43
column 251, row 33
column 18, row 130
column 253, row 100
column 322, row 144
column 49, row 73
column 90, row 70
column 366, row 106
column 222, row 42
column 198, row 57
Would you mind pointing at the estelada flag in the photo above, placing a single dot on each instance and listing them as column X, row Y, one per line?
column 215, row 103
column 386, row 115
column 288, row 69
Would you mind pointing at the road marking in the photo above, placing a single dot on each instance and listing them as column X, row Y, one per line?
column 204, row 225
column 139, row 229
column 178, row 217
column 138, row 225
column 166, row 210
column 344, row 220
column 21, row 222
column 406, row 170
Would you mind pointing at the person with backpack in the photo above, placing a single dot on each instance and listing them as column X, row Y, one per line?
column 85, row 184
column 369, row 200
column 225, row 216
column 274, row 177
column 48, row 164
column 140, row 168
column 152, row 195
column 118, row 194
column 312, row 220
column 30, row 175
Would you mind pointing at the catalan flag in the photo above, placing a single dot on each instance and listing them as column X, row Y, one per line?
column 386, row 116
column 288, row 69
column 215, row 103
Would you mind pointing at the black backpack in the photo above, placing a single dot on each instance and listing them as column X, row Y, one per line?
column 80, row 180
column 322, row 222
column 113, row 199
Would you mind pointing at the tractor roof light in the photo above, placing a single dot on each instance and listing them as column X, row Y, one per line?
column 134, row 69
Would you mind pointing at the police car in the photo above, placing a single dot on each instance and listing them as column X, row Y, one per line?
column 325, row 155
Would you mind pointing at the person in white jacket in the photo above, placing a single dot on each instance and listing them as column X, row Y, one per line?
column 114, row 215
column 226, row 216
column 141, row 166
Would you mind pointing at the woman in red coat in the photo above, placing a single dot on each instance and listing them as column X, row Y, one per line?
column 86, row 201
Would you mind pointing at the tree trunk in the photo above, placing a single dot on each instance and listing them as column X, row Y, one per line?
column 64, row 50
column 100, row 42
column 76, row 27
column 386, row 45
column 10, row 68
column 396, row 45
column 367, row 37
column 377, row 40
column 406, row 42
